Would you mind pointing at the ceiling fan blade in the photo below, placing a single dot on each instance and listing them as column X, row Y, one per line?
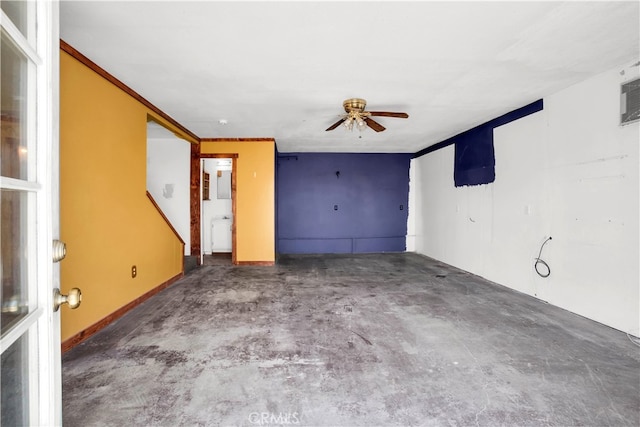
column 389, row 114
column 335, row 125
column 374, row 125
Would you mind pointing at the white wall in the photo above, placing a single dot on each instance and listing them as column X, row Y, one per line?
column 214, row 208
column 413, row 208
column 569, row 171
column 168, row 181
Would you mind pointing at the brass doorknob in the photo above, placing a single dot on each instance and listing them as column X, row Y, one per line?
column 74, row 298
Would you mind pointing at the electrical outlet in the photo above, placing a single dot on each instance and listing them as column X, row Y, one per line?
column 134, row 272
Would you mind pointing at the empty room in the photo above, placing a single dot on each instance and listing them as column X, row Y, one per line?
column 320, row 213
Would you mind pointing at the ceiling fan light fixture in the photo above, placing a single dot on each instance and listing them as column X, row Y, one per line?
column 356, row 114
column 356, row 118
column 348, row 123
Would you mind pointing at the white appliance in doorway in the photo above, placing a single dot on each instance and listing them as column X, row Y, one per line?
column 221, row 234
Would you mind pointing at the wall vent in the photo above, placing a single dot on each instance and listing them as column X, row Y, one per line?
column 630, row 102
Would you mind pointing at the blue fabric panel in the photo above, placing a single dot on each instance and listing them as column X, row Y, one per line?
column 474, row 157
column 475, row 162
column 498, row 121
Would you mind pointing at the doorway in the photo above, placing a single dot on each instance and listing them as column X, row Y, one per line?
column 218, row 209
column 168, row 180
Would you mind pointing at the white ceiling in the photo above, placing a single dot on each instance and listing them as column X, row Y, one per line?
column 282, row 69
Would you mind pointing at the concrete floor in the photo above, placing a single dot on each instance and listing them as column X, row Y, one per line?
column 217, row 259
column 350, row 340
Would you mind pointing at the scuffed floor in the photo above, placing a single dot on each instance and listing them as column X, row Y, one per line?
column 350, row 340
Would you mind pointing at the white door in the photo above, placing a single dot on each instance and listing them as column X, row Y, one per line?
column 30, row 329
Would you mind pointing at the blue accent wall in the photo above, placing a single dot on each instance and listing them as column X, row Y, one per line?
column 342, row 202
column 275, row 195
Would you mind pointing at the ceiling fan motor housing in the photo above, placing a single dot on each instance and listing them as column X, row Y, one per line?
column 354, row 104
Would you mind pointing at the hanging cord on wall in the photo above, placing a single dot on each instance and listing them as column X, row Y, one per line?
column 540, row 261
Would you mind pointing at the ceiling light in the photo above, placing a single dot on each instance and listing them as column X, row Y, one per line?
column 348, row 123
column 355, row 113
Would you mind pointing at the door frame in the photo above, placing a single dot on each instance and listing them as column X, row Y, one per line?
column 41, row 325
column 196, row 208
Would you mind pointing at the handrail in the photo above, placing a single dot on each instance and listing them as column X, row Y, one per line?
column 153, row 202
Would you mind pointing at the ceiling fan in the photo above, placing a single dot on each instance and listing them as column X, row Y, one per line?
column 356, row 115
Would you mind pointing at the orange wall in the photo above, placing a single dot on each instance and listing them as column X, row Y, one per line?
column 255, row 196
column 106, row 219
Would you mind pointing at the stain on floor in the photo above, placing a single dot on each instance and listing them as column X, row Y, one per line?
column 350, row 340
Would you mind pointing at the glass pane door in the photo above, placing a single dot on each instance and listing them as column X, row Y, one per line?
column 27, row 336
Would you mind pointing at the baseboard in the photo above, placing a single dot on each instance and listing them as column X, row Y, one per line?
column 262, row 263
column 76, row 339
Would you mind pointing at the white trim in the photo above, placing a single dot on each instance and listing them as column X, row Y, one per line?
column 13, row 334
column 46, row 137
column 18, row 39
column 53, row 373
column 7, row 183
column 41, row 325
